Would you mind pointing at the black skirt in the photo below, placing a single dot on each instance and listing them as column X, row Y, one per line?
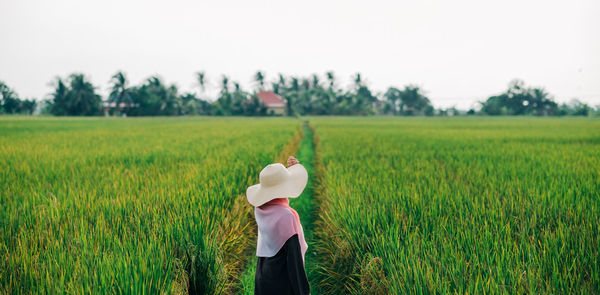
column 283, row 273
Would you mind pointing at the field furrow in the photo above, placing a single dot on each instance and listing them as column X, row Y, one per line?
column 306, row 208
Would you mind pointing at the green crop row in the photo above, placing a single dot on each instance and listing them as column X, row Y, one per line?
column 128, row 206
column 464, row 205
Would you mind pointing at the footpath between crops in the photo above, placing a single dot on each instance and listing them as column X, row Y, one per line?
column 307, row 208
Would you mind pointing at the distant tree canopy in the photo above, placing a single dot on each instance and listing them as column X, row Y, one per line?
column 10, row 103
column 408, row 102
column 521, row 100
column 154, row 98
column 308, row 95
column 74, row 97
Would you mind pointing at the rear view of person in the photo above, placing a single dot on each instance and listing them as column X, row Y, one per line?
column 281, row 245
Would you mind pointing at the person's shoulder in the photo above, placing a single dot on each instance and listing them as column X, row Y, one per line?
column 285, row 214
column 285, row 211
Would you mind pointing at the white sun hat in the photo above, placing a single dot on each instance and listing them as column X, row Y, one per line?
column 276, row 181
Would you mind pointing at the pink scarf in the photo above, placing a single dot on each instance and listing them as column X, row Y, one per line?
column 277, row 222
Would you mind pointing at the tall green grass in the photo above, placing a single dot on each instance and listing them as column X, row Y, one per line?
column 466, row 205
column 307, row 206
column 133, row 206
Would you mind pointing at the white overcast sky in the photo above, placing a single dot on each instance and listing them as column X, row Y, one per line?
column 459, row 51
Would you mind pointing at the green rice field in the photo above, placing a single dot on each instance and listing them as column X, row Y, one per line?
column 393, row 205
column 128, row 206
column 466, row 205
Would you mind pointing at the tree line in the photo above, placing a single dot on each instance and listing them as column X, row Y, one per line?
column 75, row 95
column 10, row 102
column 521, row 100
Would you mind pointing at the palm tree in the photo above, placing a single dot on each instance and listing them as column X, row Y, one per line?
column 172, row 101
column 413, row 101
column 189, row 104
column 225, row 84
column 9, row 101
column 281, row 80
column 275, row 87
column 305, row 84
column 201, row 78
column 315, row 81
column 358, row 82
column 239, row 99
column 331, row 79
column 541, row 102
column 82, row 98
column 120, row 93
column 58, row 102
column 223, row 105
column 152, row 97
column 292, row 96
column 259, row 77
column 393, row 95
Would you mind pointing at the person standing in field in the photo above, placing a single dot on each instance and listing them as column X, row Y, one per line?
column 281, row 245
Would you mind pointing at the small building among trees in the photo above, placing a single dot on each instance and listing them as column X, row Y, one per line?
column 274, row 103
column 114, row 108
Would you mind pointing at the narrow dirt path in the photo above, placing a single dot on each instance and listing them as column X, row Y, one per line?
column 307, row 209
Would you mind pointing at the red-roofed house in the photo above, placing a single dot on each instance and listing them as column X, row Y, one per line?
column 274, row 103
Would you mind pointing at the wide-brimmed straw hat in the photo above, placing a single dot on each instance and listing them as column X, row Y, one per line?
column 276, row 181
